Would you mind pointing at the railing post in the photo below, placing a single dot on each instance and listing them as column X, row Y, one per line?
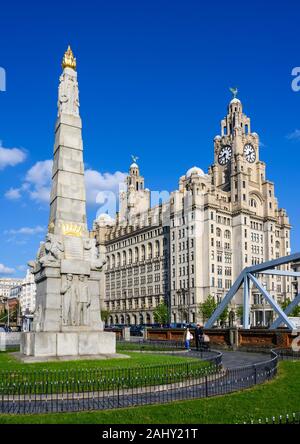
column 255, row 374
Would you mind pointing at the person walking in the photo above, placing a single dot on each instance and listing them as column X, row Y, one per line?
column 187, row 339
column 199, row 336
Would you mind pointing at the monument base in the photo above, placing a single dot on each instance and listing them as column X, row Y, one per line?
column 52, row 344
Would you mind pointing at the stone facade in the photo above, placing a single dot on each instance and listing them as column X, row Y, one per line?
column 27, row 294
column 212, row 227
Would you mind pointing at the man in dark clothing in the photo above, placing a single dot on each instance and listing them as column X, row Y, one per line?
column 199, row 336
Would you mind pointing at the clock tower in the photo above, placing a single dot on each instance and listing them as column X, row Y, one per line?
column 236, row 156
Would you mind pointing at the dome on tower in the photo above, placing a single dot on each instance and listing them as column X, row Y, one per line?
column 134, row 165
column 235, row 100
column 195, row 170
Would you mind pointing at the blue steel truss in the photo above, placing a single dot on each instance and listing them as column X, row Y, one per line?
column 251, row 275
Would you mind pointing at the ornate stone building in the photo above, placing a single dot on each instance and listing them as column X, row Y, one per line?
column 197, row 242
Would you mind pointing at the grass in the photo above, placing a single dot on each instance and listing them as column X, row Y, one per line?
column 124, row 346
column 8, row 362
column 80, row 376
column 279, row 396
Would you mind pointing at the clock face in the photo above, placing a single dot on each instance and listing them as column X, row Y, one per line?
column 224, row 155
column 249, row 153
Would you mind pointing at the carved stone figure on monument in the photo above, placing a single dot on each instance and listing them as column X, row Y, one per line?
column 53, row 249
column 84, row 302
column 68, row 99
column 91, row 254
column 38, row 318
column 68, row 293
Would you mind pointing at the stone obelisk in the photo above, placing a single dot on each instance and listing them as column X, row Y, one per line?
column 68, row 267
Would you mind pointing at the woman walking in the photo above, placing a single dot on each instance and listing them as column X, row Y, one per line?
column 187, row 339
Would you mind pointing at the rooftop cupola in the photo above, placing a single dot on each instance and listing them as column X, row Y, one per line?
column 235, row 123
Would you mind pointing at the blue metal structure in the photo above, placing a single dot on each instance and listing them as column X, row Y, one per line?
column 251, row 275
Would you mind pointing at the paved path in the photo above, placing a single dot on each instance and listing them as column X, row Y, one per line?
column 233, row 359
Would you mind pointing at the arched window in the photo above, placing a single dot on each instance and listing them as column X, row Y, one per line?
column 141, row 319
column 113, row 261
column 157, row 248
column 218, row 232
column 227, row 234
column 253, row 203
column 149, row 250
column 136, row 254
column 143, row 253
column 124, row 258
column 130, row 256
column 118, row 259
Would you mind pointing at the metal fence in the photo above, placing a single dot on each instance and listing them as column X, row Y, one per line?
column 287, row 353
column 156, row 345
column 98, row 389
column 294, row 418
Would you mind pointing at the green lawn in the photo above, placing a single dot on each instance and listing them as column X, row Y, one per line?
column 123, row 346
column 280, row 396
column 139, row 370
column 10, row 363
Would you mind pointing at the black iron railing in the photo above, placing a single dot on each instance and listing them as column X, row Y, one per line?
column 293, row 418
column 287, row 353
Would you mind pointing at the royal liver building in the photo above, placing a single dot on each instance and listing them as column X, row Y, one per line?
column 197, row 242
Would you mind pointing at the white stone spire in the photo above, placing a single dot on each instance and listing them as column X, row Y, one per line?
column 68, row 200
column 68, row 95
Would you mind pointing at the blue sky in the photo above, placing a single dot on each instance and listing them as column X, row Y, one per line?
column 154, row 78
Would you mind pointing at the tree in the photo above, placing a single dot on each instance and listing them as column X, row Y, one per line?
column 240, row 313
column 224, row 315
column 105, row 315
column 207, row 308
column 295, row 312
column 161, row 314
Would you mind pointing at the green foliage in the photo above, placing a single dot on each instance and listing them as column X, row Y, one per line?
column 295, row 312
column 161, row 314
column 224, row 315
column 105, row 315
column 207, row 307
column 240, row 313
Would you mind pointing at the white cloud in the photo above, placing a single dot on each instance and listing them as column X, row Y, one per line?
column 96, row 182
column 13, row 193
column 6, row 270
column 10, row 156
column 295, row 135
column 40, row 173
column 37, row 183
column 27, row 230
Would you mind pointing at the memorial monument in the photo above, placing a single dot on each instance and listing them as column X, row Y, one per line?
column 67, row 269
